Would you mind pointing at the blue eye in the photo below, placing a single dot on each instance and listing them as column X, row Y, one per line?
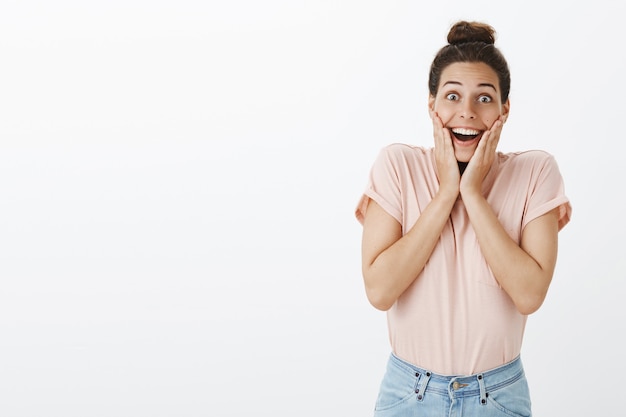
column 484, row 99
column 452, row 96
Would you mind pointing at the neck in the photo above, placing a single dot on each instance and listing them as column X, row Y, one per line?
column 462, row 166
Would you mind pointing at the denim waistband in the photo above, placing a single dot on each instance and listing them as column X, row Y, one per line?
column 479, row 384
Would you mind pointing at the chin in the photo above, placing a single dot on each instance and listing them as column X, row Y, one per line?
column 463, row 156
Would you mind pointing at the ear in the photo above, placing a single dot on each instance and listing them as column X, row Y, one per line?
column 431, row 105
column 506, row 107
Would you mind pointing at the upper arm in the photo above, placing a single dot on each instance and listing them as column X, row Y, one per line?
column 380, row 230
column 540, row 242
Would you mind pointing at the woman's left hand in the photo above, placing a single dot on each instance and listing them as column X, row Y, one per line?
column 480, row 163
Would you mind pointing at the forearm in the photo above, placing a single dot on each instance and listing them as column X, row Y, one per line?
column 519, row 274
column 395, row 268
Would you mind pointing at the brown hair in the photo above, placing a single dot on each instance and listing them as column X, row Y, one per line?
column 471, row 42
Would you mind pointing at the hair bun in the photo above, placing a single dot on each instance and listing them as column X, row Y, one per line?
column 463, row 32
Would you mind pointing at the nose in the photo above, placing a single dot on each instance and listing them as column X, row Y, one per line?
column 467, row 110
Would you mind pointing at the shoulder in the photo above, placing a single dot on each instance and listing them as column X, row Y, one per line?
column 531, row 159
column 405, row 161
column 405, row 148
column 534, row 168
column 402, row 152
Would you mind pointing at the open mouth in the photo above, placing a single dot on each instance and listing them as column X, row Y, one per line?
column 465, row 134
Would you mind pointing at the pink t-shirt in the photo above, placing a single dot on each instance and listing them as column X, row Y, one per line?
column 455, row 319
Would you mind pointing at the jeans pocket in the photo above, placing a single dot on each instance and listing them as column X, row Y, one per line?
column 397, row 387
column 512, row 400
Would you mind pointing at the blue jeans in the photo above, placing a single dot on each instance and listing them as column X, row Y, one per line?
column 409, row 391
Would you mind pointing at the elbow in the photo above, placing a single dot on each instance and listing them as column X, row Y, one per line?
column 380, row 304
column 379, row 298
column 530, row 297
column 378, row 290
column 529, row 304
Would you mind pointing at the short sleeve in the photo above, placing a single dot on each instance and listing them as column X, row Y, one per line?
column 383, row 186
column 548, row 192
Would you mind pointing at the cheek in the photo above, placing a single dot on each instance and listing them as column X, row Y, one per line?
column 444, row 113
column 440, row 106
column 490, row 119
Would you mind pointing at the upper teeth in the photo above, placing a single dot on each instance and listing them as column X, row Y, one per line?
column 461, row 131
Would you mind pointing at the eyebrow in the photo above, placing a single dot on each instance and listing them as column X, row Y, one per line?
column 480, row 85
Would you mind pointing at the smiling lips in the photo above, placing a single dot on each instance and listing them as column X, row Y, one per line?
column 464, row 135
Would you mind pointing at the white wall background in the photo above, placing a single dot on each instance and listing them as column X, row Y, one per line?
column 178, row 181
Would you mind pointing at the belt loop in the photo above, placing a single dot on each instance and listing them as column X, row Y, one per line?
column 483, row 392
column 421, row 386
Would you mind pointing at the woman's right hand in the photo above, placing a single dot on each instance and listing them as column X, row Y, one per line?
column 447, row 166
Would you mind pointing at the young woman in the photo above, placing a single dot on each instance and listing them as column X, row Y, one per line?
column 460, row 244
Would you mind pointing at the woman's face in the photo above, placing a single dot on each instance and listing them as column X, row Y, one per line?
column 468, row 103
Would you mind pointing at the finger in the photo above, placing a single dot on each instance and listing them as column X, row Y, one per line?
column 494, row 135
column 491, row 142
column 437, row 123
column 490, row 139
column 437, row 129
column 447, row 139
